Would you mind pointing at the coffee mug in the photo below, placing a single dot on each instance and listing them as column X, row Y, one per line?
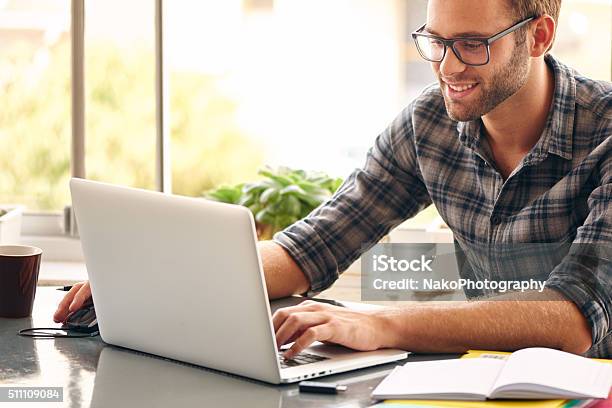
column 19, row 266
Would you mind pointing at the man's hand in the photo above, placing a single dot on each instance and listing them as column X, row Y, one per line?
column 313, row 321
column 73, row 300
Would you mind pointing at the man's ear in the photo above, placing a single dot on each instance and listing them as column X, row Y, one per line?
column 542, row 33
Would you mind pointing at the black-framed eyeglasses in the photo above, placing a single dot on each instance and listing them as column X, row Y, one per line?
column 472, row 51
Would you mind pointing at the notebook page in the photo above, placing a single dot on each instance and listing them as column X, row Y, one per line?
column 543, row 369
column 446, row 379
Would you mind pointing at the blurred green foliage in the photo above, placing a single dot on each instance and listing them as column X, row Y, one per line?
column 281, row 198
column 35, row 129
column 208, row 148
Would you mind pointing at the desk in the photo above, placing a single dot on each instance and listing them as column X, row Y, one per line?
column 94, row 374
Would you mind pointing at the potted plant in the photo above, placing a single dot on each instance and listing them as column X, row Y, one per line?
column 10, row 224
column 281, row 198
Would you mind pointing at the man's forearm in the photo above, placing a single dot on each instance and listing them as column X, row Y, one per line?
column 488, row 325
column 283, row 276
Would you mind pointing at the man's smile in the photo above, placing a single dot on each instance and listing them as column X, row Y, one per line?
column 460, row 90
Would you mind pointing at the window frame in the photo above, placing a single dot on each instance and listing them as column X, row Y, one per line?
column 55, row 232
column 38, row 223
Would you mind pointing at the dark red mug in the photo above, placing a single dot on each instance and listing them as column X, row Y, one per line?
column 19, row 266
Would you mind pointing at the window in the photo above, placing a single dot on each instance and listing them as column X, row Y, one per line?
column 204, row 45
column 35, row 95
column 255, row 83
column 252, row 83
column 120, row 92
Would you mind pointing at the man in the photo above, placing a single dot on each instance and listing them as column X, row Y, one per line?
column 512, row 147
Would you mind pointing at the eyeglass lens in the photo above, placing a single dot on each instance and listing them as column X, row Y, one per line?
column 469, row 52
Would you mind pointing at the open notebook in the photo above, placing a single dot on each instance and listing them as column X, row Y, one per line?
column 533, row 373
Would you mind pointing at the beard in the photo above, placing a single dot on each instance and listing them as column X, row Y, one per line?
column 504, row 82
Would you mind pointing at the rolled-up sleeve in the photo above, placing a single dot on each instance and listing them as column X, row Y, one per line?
column 371, row 201
column 585, row 274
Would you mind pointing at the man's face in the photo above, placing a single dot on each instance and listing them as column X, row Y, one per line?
column 471, row 92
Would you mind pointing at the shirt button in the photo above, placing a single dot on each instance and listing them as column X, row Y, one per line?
column 496, row 220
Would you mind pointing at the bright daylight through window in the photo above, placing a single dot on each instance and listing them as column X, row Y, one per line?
column 252, row 83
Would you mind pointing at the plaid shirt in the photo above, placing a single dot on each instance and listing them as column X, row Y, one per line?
column 560, row 193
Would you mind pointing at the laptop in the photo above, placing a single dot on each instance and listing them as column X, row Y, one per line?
column 181, row 278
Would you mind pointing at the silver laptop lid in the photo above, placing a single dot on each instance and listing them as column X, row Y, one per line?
column 177, row 277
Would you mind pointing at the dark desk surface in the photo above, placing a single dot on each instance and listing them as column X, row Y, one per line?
column 94, row 374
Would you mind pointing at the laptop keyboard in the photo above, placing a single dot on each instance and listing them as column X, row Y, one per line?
column 300, row 359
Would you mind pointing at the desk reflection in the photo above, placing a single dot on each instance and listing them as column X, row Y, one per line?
column 131, row 379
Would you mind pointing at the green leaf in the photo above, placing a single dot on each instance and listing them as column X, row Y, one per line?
column 247, row 200
column 319, row 179
column 282, row 180
column 293, row 206
column 297, row 175
column 226, row 194
column 269, row 195
column 279, row 177
column 292, row 189
column 252, row 188
column 311, row 201
column 283, row 221
column 307, row 185
column 265, row 217
column 255, row 209
column 335, row 185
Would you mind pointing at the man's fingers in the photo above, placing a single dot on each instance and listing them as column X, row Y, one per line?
column 80, row 298
column 281, row 315
column 297, row 323
column 278, row 318
column 322, row 332
column 65, row 305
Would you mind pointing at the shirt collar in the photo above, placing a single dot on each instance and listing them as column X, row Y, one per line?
column 558, row 132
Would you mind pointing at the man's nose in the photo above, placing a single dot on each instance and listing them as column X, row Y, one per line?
column 451, row 64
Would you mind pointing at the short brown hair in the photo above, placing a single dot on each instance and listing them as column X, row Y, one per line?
column 522, row 9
